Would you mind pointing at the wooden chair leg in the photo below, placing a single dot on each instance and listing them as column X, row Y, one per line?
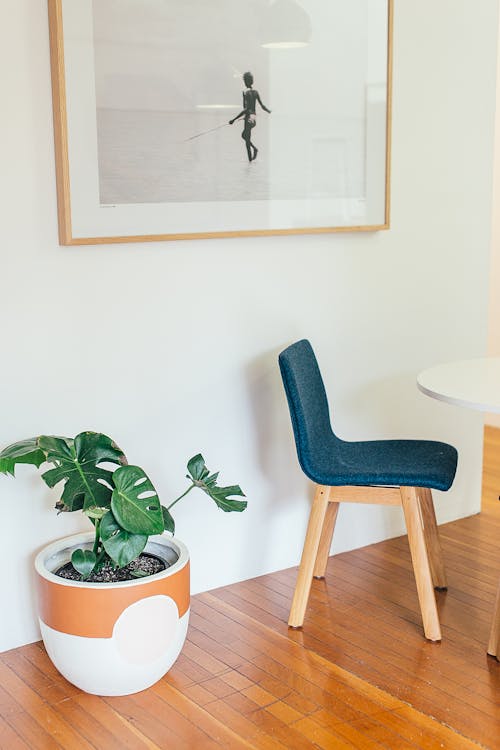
column 421, row 567
column 432, row 540
column 309, row 555
column 325, row 541
column 494, row 642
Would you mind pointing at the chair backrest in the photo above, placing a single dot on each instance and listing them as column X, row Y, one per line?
column 307, row 402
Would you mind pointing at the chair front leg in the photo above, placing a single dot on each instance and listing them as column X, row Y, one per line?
column 421, row 567
column 309, row 555
column 326, row 540
column 432, row 540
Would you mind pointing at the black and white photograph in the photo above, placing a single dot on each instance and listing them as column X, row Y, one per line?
column 226, row 116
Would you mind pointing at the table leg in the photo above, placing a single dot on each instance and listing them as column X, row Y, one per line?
column 494, row 642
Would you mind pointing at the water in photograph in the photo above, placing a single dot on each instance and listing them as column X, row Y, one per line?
column 147, row 157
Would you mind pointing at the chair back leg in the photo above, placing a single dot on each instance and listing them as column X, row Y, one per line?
column 325, row 541
column 418, row 548
column 432, row 541
column 309, row 555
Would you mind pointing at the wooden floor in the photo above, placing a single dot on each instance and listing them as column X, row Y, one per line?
column 359, row 675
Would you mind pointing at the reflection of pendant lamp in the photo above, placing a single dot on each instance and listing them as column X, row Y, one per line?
column 285, row 25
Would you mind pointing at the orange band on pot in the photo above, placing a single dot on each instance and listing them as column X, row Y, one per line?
column 92, row 612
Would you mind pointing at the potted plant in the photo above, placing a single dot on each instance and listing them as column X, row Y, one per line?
column 113, row 603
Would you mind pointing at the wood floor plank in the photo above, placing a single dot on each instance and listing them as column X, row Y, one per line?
column 446, row 738
column 121, row 727
column 329, row 738
column 371, row 729
column 189, row 734
column 195, row 714
column 272, row 726
column 149, row 724
column 361, row 730
column 45, row 715
column 243, row 727
column 32, row 733
column 9, row 739
column 428, row 735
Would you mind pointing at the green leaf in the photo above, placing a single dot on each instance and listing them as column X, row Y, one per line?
column 139, row 573
column 23, row 452
column 208, row 483
column 212, row 479
column 83, row 561
column 135, row 503
column 77, row 461
column 197, row 469
column 96, row 513
column 120, row 545
column 221, row 496
column 168, row 521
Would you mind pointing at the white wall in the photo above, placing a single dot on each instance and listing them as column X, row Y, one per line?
column 171, row 348
column 494, row 309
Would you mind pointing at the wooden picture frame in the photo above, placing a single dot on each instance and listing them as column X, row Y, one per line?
column 144, row 149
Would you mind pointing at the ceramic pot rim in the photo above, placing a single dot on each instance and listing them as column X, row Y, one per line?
column 88, row 536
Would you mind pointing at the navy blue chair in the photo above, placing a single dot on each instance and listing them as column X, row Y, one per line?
column 388, row 472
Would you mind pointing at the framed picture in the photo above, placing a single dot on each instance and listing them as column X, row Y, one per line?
column 179, row 119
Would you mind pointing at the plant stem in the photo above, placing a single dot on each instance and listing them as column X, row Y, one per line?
column 181, row 496
column 100, row 557
column 97, row 535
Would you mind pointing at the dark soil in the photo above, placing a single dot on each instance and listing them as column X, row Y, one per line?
column 147, row 564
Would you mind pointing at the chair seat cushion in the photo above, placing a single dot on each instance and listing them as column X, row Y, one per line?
column 412, row 463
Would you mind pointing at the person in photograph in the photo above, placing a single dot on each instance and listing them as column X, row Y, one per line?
column 250, row 98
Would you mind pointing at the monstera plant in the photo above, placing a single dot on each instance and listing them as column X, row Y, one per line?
column 119, row 499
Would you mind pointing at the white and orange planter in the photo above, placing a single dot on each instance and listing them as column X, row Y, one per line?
column 113, row 638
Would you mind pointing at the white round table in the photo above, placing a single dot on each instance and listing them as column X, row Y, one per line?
column 475, row 384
